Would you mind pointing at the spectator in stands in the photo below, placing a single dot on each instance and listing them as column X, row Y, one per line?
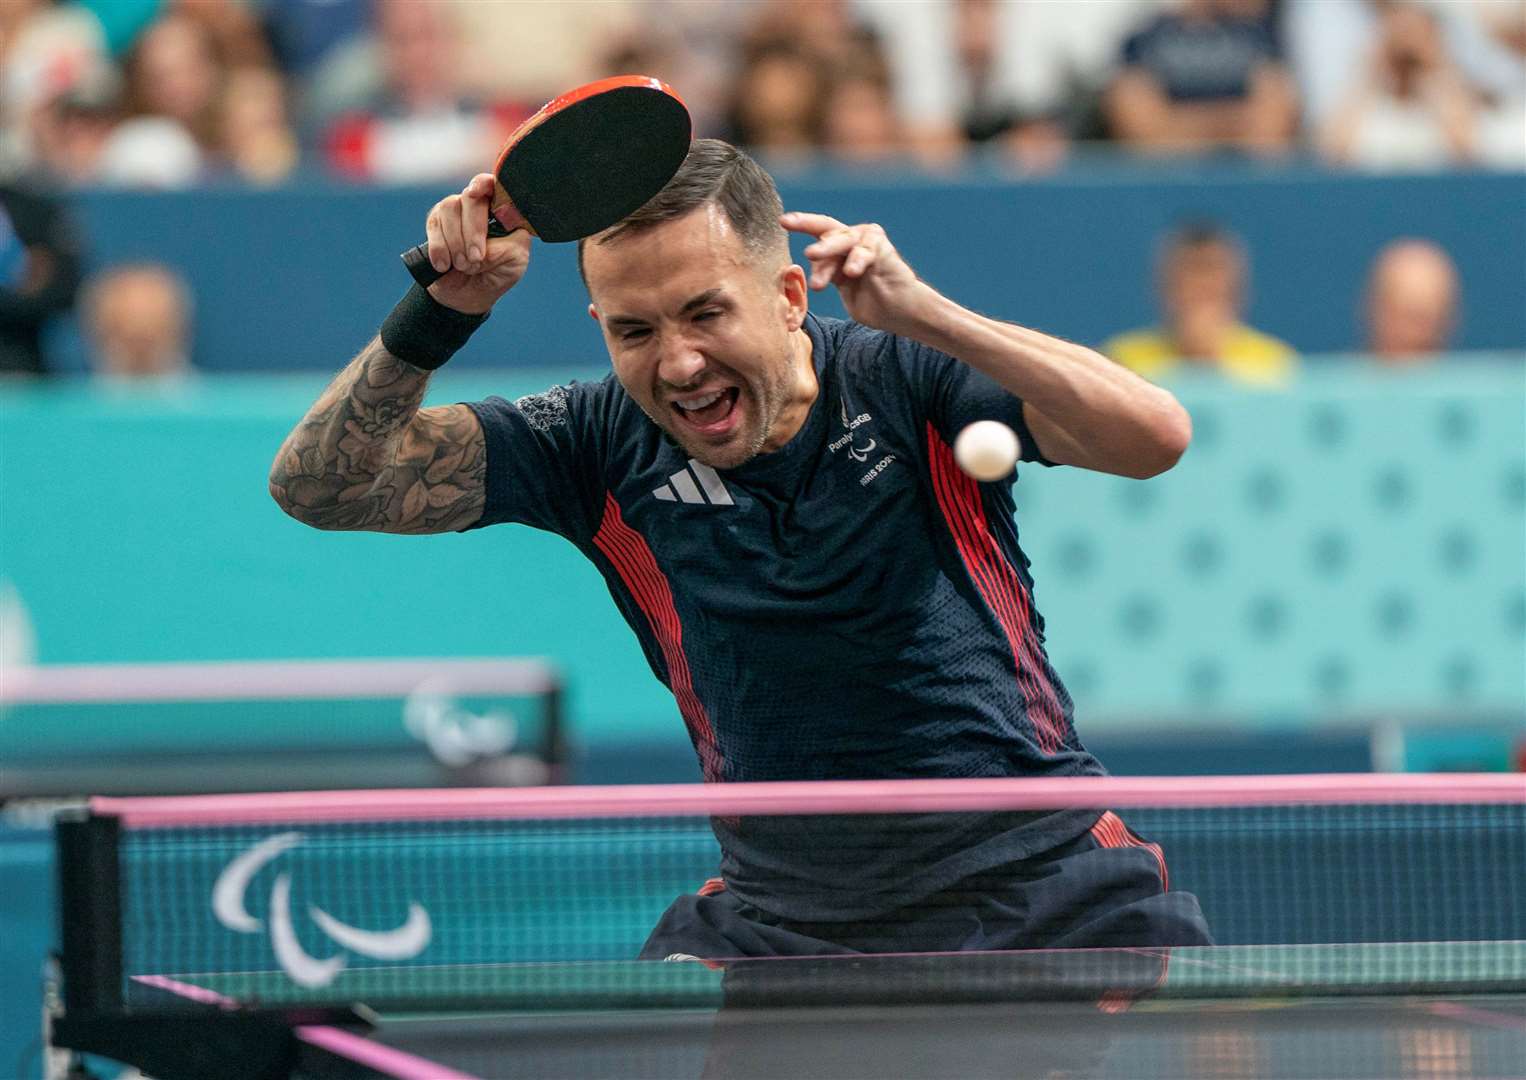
column 175, row 71
column 257, row 141
column 1412, row 298
column 777, row 102
column 71, row 131
column 44, row 50
column 1204, row 77
column 1037, row 140
column 797, row 53
column 175, row 79
column 1200, row 279
column 304, row 33
column 833, row 31
column 1409, row 107
column 1021, row 75
column 698, row 49
column 239, row 40
column 1487, row 39
column 416, row 123
column 859, row 118
column 554, row 44
column 39, row 273
column 1332, row 44
column 137, row 319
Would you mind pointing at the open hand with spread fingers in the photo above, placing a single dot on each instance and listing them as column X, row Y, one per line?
column 877, row 286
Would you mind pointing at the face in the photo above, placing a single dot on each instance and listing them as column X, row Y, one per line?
column 139, row 326
column 778, row 101
column 1412, row 303
column 1202, row 276
column 705, row 336
column 861, row 121
column 177, row 70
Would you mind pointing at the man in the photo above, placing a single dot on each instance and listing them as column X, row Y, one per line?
column 1203, row 77
column 1411, row 302
column 1200, row 278
column 137, row 318
column 773, row 503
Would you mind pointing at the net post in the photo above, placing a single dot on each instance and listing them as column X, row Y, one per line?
column 90, row 911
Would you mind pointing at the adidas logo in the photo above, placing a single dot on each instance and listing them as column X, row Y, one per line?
column 682, row 487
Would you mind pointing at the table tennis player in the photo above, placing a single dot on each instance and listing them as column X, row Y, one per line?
column 772, row 499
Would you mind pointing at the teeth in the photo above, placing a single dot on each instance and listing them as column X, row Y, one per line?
column 700, row 402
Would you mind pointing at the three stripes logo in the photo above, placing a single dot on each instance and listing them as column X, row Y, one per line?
column 697, row 485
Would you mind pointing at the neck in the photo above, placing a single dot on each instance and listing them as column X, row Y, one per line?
column 802, row 395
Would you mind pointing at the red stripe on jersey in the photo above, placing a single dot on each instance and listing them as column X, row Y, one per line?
column 1111, row 832
column 1000, row 587
column 966, row 529
column 633, row 560
column 1106, row 830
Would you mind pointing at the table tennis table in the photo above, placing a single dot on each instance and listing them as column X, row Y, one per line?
column 486, row 933
column 1436, row 1009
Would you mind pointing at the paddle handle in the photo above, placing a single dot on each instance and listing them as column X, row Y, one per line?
column 416, row 258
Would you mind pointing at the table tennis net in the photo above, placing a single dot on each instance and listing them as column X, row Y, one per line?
column 544, row 898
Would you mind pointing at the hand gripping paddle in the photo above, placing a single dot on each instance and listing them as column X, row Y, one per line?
column 583, row 162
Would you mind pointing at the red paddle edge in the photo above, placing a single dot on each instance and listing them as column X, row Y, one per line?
column 504, row 210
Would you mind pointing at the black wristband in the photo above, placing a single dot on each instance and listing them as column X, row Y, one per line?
column 424, row 332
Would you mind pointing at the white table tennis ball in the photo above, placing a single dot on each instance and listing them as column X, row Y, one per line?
column 987, row 450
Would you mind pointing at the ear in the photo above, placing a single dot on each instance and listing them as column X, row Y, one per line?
column 593, row 313
column 794, row 294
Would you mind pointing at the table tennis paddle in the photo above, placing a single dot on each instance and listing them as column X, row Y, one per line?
column 583, row 162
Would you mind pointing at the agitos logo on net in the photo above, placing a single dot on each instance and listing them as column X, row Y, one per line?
column 229, row 896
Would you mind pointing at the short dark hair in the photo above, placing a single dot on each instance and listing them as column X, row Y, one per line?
column 714, row 172
column 1201, row 232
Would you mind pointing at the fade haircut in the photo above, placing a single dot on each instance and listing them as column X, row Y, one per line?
column 714, row 172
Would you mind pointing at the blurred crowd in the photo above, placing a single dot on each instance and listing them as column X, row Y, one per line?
column 173, row 92
column 167, row 94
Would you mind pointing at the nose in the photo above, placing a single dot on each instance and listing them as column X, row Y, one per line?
column 680, row 363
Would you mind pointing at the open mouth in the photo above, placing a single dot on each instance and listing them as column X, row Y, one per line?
column 713, row 413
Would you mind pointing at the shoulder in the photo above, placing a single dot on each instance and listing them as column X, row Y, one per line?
column 1259, row 358
column 1146, row 351
column 861, row 354
column 848, row 342
column 1253, row 343
column 596, row 411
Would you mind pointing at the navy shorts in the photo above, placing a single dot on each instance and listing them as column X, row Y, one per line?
column 1105, row 889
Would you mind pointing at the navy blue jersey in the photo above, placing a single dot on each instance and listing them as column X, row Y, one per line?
column 850, row 606
column 1201, row 59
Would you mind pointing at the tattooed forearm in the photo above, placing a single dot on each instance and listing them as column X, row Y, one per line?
column 366, row 456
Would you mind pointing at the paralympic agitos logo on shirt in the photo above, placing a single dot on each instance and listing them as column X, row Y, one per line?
column 859, row 451
column 229, row 905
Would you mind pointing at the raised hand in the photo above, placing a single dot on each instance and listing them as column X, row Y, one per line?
column 877, row 286
column 478, row 269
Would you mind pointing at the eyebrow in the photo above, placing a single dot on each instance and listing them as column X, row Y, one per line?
column 709, row 296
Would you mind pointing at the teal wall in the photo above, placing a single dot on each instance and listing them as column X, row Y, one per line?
column 1355, row 545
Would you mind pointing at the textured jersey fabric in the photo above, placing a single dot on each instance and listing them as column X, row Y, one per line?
column 851, row 606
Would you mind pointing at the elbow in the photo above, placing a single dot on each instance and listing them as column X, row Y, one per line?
column 280, row 484
column 1169, row 436
column 282, row 498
